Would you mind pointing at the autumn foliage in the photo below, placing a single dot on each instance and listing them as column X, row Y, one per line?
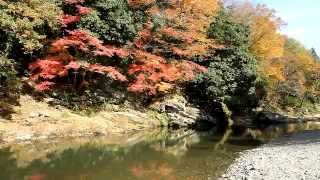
column 151, row 72
column 60, row 62
column 162, row 55
column 154, row 47
column 154, row 74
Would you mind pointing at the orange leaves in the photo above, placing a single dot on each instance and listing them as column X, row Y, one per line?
column 154, row 74
column 186, row 27
column 143, row 37
column 180, row 36
column 162, row 56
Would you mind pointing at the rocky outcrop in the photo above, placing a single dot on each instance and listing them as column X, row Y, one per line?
column 182, row 114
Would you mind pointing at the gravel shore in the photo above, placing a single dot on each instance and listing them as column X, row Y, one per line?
column 288, row 158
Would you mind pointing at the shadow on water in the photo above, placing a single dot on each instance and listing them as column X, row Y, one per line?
column 181, row 154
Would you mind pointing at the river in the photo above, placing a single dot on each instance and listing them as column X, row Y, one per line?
column 153, row 155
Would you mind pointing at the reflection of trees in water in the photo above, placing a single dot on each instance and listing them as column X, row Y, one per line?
column 182, row 154
column 141, row 161
column 154, row 170
column 271, row 132
column 8, row 164
column 70, row 164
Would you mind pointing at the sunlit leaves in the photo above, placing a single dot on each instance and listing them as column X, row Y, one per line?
column 154, row 74
column 27, row 23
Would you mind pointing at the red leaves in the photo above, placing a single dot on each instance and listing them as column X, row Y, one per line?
column 110, row 51
column 107, row 70
column 61, row 62
column 69, row 19
column 44, row 86
column 87, row 43
column 83, row 10
column 73, row 2
column 73, row 65
column 47, row 69
column 153, row 73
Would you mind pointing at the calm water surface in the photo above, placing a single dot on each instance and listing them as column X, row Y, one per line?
column 178, row 155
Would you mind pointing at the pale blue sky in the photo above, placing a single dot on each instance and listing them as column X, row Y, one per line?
column 302, row 18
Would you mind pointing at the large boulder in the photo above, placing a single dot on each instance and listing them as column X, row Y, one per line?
column 182, row 114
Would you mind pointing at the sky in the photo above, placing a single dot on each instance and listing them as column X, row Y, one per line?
column 302, row 18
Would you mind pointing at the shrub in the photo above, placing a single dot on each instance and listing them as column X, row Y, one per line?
column 9, row 89
column 230, row 79
column 7, row 75
column 231, row 76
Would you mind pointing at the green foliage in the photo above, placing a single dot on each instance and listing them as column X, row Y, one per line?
column 225, row 30
column 158, row 21
column 7, row 75
column 230, row 79
column 9, row 89
column 112, row 21
column 231, row 76
column 27, row 24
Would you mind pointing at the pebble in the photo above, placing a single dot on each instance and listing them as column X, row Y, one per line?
column 291, row 158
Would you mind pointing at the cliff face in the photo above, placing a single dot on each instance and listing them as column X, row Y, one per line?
column 182, row 114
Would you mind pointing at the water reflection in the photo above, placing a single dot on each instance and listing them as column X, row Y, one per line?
column 182, row 154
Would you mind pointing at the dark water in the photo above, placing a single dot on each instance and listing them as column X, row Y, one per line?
column 158, row 155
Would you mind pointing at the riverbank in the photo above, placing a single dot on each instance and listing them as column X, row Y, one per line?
column 34, row 120
column 291, row 157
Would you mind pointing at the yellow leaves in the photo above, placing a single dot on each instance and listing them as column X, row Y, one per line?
column 164, row 87
column 272, row 69
column 265, row 40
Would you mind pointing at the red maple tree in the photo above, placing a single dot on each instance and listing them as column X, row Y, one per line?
column 60, row 62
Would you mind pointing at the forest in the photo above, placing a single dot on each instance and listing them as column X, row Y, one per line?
column 87, row 53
